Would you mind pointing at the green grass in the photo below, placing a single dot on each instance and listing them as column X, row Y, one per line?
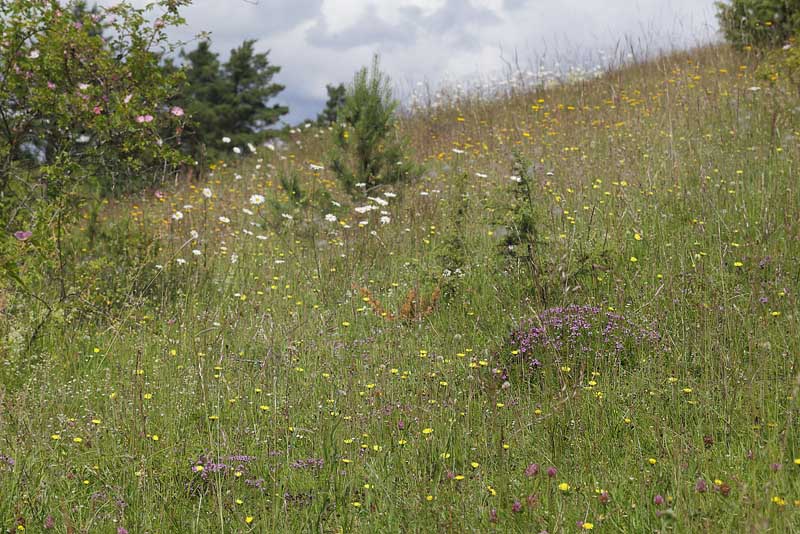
column 277, row 356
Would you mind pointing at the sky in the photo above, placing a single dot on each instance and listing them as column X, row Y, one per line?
column 435, row 43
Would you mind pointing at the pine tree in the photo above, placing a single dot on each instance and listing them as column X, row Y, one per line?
column 336, row 99
column 368, row 149
column 248, row 76
column 230, row 99
column 204, row 90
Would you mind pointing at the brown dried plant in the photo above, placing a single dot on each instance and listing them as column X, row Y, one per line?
column 415, row 305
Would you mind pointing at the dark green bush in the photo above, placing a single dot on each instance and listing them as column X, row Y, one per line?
column 760, row 23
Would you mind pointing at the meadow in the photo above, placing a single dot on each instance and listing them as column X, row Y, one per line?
column 584, row 316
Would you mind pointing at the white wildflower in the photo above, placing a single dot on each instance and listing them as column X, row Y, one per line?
column 330, row 217
column 207, row 192
column 194, row 234
column 177, row 215
column 196, row 252
column 237, row 150
column 226, row 139
column 247, row 211
column 287, row 216
column 224, row 219
column 180, row 261
column 379, row 201
column 385, row 219
column 256, row 199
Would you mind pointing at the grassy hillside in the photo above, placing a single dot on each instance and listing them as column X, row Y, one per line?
column 399, row 369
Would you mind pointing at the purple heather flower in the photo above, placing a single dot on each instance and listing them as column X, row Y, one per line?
column 122, row 530
column 516, row 507
column 23, row 235
column 658, row 500
column 552, row 471
column 580, row 329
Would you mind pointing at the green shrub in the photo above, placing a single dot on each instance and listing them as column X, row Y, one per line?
column 762, row 23
column 782, row 65
column 367, row 149
column 82, row 113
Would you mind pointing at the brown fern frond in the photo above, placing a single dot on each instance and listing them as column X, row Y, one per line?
column 408, row 309
column 432, row 301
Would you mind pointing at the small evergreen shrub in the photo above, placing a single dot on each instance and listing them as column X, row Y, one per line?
column 367, row 148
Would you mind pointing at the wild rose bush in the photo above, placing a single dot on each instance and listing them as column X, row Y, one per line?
column 85, row 109
column 84, row 98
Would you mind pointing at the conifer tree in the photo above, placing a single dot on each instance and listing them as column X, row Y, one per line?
column 336, row 99
column 231, row 99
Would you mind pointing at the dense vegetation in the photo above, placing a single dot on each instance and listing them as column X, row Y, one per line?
column 580, row 314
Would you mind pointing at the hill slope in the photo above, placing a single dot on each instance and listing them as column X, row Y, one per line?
column 294, row 362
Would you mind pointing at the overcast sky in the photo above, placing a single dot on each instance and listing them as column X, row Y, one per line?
column 435, row 41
